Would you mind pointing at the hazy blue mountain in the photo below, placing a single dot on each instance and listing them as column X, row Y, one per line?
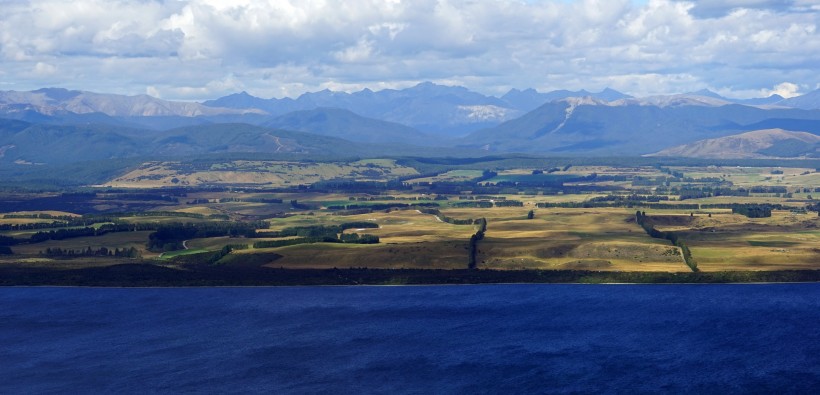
column 708, row 93
column 441, row 110
column 428, row 107
column 809, row 101
column 243, row 100
column 345, row 124
column 530, row 99
column 56, row 101
column 219, row 138
column 761, row 100
column 804, row 125
column 526, row 100
column 758, row 101
column 590, row 127
column 57, row 125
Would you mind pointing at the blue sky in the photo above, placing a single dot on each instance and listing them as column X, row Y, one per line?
column 200, row 49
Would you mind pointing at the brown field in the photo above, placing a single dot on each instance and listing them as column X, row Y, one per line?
column 450, row 254
column 266, row 173
column 733, row 242
column 110, row 241
column 602, row 239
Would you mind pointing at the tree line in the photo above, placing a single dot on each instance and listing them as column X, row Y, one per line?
column 102, row 252
column 381, row 206
column 472, row 262
column 351, row 238
column 444, row 218
column 169, row 237
column 643, row 220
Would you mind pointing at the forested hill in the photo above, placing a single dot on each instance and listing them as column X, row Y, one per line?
column 27, row 144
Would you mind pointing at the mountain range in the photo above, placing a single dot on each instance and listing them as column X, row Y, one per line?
column 631, row 127
column 55, row 125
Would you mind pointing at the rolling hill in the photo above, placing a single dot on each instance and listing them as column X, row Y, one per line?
column 26, row 144
column 769, row 143
column 23, row 143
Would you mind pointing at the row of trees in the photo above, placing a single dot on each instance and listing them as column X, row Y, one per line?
column 225, row 251
column 170, row 237
column 473, row 204
column 474, row 239
column 753, row 211
column 317, row 230
column 101, row 252
column 509, row 203
column 625, row 203
column 349, row 238
column 643, row 220
column 381, row 206
column 62, row 234
column 444, row 218
column 630, row 198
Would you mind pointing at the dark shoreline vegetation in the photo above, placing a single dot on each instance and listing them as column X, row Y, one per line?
column 148, row 275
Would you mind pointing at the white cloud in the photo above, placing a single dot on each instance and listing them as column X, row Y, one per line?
column 153, row 91
column 44, row 69
column 185, row 49
column 785, row 89
column 357, row 53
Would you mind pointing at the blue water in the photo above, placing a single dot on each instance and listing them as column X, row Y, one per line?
column 428, row 339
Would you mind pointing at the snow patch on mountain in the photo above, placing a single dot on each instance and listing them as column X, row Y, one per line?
column 487, row 113
column 55, row 101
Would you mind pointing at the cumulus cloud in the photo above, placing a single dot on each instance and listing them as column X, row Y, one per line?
column 719, row 8
column 198, row 49
column 785, row 89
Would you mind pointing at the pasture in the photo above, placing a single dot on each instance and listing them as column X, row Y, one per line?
column 585, row 223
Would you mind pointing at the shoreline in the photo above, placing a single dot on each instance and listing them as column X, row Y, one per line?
column 155, row 276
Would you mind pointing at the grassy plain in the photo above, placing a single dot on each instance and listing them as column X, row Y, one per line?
column 256, row 173
column 569, row 237
column 733, row 242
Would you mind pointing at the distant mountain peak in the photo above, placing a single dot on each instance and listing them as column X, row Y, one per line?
column 809, row 101
column 52, row 101
column 707, row 93
column 610, row 94
column 433, row 87
column 58, row 93
column 686, row 99
column 584, row 101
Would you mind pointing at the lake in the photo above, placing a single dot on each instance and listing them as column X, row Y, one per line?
column 731, row 338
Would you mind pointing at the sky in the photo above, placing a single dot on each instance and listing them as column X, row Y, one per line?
column 204, row 49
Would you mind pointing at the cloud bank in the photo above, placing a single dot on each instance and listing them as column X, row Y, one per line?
column 198, row 49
